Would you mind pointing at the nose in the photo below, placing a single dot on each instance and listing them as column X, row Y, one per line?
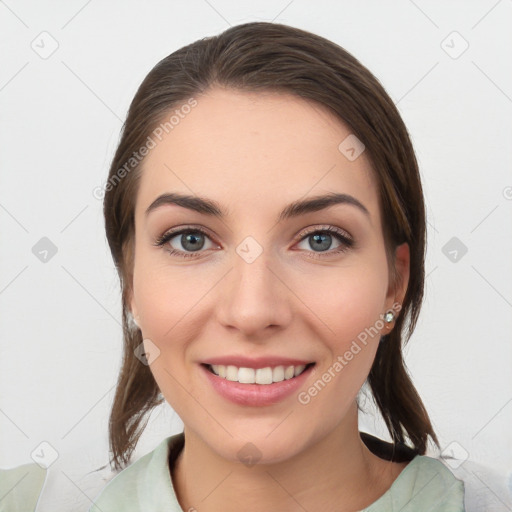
column 254, row 298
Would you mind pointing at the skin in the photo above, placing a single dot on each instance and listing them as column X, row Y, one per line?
column 254, row 153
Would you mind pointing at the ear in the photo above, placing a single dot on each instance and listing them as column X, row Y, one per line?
column 133, row 306
column 400, row 277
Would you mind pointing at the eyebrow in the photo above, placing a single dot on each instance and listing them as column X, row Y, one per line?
column 209, row 207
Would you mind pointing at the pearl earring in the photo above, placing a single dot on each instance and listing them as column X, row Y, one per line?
column 389, row 317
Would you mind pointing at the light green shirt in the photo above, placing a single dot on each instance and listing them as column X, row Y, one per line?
column 20, row 487
column 425, row 484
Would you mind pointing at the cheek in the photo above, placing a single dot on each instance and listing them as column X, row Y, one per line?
column 346, row 300
column 349, row 303
column 164, row 297
column 163, row 300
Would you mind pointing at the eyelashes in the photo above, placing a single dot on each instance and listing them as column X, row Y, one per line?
column 321, row 235
column 168, row 236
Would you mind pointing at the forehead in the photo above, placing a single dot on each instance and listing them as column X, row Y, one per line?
column 257, row 148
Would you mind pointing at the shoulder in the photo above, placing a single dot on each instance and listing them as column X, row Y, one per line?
column 20, row 487
column 424, row 484
column 428, row 473
column 144, row 485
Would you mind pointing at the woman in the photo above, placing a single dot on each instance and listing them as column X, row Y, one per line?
column 265, row 213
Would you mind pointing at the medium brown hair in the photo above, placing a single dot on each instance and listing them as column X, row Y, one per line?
column 264, row 56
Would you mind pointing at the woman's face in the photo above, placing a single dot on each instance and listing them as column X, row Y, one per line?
column 265, row 280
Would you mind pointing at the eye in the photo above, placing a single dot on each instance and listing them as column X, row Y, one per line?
column 190, row 239
column 322, row 239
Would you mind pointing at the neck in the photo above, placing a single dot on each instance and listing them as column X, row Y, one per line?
column 336, row 473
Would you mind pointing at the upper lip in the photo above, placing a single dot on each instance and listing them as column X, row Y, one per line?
column 255, row 362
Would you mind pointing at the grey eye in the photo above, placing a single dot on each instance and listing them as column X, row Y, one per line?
column 319, row 242
column 190, row 241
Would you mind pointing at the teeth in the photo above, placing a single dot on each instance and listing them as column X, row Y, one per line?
column 266, row 375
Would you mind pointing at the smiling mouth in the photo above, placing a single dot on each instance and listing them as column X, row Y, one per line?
column 264, row 376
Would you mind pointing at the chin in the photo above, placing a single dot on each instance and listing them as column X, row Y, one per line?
column 256, row 450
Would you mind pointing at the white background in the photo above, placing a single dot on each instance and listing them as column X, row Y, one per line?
column 60, row 121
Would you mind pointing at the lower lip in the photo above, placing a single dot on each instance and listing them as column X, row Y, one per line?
column 256, row 395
